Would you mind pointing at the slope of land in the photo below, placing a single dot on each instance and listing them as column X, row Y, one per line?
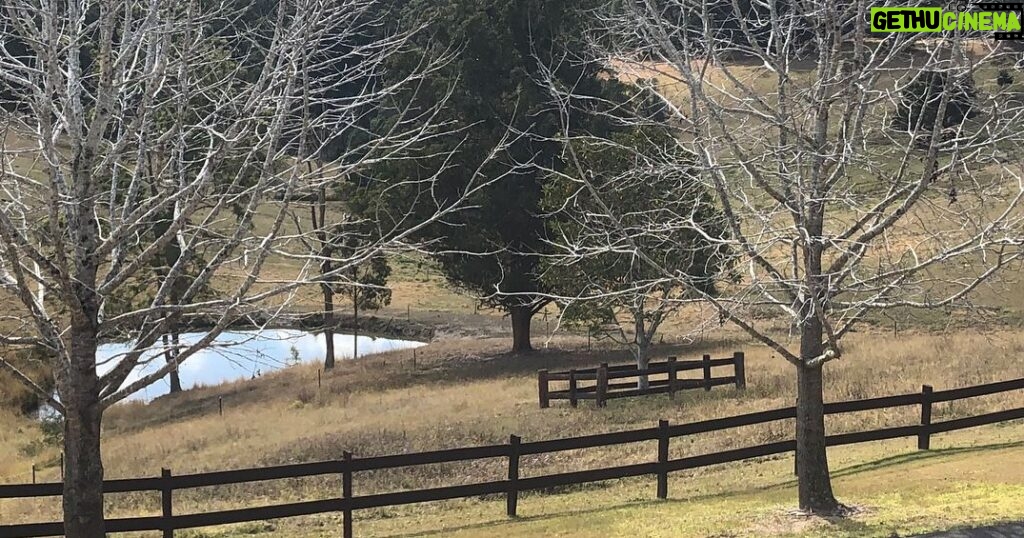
column 468, row 392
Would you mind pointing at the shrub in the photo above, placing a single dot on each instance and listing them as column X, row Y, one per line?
column 919, row 103
column 15, row 395
column 52, row 426
column 306, row 395
column 1004, row 78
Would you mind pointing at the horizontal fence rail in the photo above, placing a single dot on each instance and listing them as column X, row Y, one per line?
column 603, row 389
column 166, row 483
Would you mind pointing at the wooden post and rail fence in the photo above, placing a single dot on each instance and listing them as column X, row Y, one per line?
column 605, row 388
column 513, row 484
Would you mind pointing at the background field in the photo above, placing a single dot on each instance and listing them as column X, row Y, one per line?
column 464, row 389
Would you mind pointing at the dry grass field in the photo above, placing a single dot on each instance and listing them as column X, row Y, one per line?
column 464, row 390
column 468, row 392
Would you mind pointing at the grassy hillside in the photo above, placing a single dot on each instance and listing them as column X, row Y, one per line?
column 466, row 392
column 897, row 492
column 463, row 390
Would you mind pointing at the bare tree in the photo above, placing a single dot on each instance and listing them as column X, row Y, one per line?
column 837, row 207
column 122, row 112
column 318, row 221
column 629, row 319
column 611, row 290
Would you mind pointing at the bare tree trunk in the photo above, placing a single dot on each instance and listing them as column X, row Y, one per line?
column 175, row 382
column 643, row 360
column 165, row 339
column 815, row 485
column 318, row 212
column 642, row 343
column 355, row 324
column 170, row 356
column 521, row 318
column 83, row 478
column 175, row 378
column 328, row 325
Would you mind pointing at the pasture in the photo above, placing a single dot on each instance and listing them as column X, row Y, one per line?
column 467, row 392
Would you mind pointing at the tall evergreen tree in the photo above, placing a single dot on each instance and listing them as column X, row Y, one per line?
column 494, row 248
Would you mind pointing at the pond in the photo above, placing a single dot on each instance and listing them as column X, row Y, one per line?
column 244, row 354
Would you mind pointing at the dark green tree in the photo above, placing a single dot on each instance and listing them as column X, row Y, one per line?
column 504, row 128
column 921, row 98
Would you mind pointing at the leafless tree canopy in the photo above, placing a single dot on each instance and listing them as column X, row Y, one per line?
column 137, row 128
column 150, row 156
column 835, row 208
column 857, row 172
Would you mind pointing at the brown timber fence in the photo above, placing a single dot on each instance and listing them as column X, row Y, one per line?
column 348, row 465
column 599, row 384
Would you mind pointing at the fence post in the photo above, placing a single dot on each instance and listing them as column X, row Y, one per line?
column 346, row 493
column 602, row 385
column 542, row 388
column 707, row 372
column 33, row 473
column 739, row 370
column 62, row 466
column 166, row 502
column 671, row 378
column 662, row 459
column 512, row 497
column 573, row 401
column 924, row 436
column 220, row 405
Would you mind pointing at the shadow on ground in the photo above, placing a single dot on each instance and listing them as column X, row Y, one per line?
column 839, row 524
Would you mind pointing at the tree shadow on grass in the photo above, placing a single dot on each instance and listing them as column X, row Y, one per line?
column 525, row 519
column 843, row 524
column 909, row 457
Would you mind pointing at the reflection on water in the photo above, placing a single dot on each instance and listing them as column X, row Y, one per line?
column 243, row 354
